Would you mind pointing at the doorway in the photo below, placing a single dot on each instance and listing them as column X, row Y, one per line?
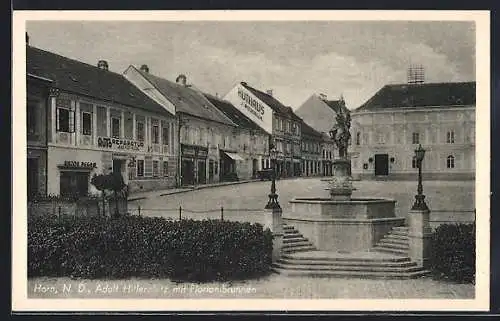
column 202, row 172
column 32, row 175
column 210, row 171
column 381, row 164
column 187, row 172
column 254, row 167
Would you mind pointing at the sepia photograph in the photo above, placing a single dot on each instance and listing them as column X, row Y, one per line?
column 303, row 161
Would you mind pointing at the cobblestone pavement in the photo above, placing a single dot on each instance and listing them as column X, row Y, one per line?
column 273, row 286
column 244, row 201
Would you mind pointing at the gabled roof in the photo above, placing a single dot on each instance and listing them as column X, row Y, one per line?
column 422, row 95
column 272, row 102
column 335, row 105
column 87, row 80
column 232, row 112
column 309, row 131
column 187, row 100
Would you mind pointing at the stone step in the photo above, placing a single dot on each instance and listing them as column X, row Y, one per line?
column 393, row 245
column 297, row 244
column 390, row 250
column 391, row 240
column 353, row 259
column 295, row 249
column 291, row 235
column 350, row 263
column 397, row 237
column 293, row 240
column 354, row 268
column 398, row 233
column 403, row 228
column 356, row 274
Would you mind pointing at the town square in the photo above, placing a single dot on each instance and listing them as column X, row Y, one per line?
column 252, row 159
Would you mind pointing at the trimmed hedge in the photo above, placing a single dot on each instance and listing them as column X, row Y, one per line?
column 453, row 254
column 152, row 247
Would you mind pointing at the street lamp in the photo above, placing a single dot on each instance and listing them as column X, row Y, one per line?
column 273, row 197
column 419, row 198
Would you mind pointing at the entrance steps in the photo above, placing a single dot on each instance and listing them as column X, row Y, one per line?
column 394, row 242
column 300, row 258
column 294, row 242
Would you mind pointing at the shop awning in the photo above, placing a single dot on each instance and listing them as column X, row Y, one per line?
column 234, row 156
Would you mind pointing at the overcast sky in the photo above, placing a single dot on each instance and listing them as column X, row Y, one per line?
column 295, row 59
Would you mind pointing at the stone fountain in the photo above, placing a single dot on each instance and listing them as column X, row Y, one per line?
column 339, row 222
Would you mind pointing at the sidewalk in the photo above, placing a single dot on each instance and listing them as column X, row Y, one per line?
column 152, row 194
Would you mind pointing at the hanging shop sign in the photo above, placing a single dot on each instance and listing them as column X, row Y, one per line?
column 117, row 143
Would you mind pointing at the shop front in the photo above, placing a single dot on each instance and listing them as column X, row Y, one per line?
column 229, row 165
column 194, row 164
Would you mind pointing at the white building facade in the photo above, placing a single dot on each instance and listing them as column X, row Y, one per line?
column 387, row 129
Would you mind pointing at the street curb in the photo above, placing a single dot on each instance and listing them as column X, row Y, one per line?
column 209, row 186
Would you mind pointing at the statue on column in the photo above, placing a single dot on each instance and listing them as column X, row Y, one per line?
column 341, row 134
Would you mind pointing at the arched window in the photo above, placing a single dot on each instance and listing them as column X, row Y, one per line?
column 450, row 162
column 450, row 137
column 358, row 138
column 414, row 162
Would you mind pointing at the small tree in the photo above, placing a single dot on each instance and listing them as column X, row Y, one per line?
column 113, row 182
column 100, row 183
column 116, row 184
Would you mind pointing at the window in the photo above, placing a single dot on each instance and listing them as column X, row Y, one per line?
column 450, row 162
column 115, row 127
column 450, row 137
column 140, row 131
column 414, row 162
column 140, row 167
column 358, row 138
column 32, row 118
column 155, row 134
column 415, row 138
column 65, row 120
column 165, row 168
column 330, row 154
column 86, row 123
column 164, row 135
column 155, row 168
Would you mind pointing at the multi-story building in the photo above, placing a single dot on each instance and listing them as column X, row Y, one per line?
column 390, row 125
column 277, row 120
column 98, row 122
column 328, row 154
column 36, row 134
column 320, row 113
column 208, row 139
column 253, row 142
column 312, row 142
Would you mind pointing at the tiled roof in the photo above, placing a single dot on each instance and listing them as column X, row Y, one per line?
column 84, row 79
column 422, row 95
column 232, row 112
column 309, row 131
column 272, row 102
column 187, row 100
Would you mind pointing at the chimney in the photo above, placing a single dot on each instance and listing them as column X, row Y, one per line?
column 269, row 92
column 102, row 64
column 415, row 74
column 27, row 39
column 181, row 80
column 145, row 68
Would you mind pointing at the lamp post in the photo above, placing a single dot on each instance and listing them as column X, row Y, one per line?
column 420, row 198
column 273, row 197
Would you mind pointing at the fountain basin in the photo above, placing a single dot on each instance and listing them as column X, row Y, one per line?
column 350, row 225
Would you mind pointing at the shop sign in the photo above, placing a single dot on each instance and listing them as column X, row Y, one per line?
column 78, row 164
column 251, row 104
column 202, row 153
column 107, row 142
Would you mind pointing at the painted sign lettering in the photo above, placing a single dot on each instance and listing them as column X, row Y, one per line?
column 79, row 164
column 107, row 142
column 251, row 104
